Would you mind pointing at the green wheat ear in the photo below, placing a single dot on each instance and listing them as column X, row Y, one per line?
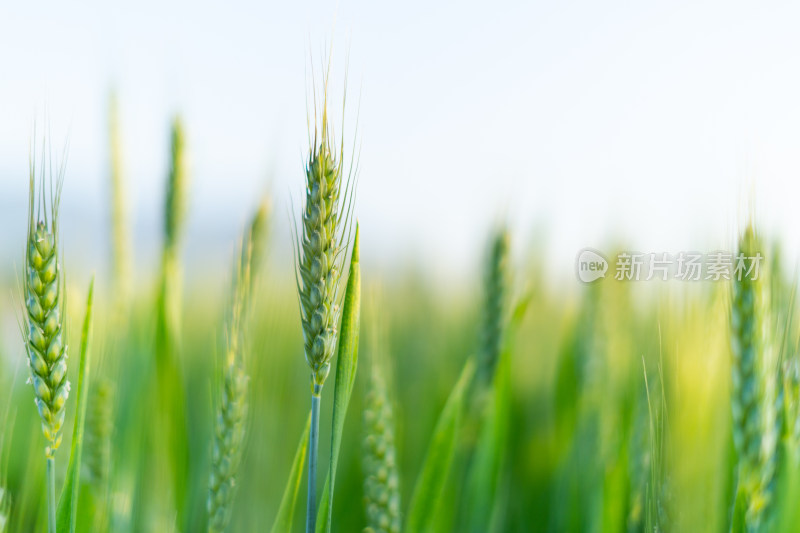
column 494, row 306
column 229, row 438
column 257, row 236
column 321, row 250
column 120, row 234
column 382, row 502
column 177, row 193
column 321, row 247
column 170, row 384
column 168, row 320
column 43, row 332
column 381, row 477
column 44, row 300
column 753, row 386
column 231, row 423
column 99, row 427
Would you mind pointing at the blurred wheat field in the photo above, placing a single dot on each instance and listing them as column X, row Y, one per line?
column 602, row 410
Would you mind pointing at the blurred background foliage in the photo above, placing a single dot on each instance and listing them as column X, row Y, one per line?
column 620, row 413
column 618, row 395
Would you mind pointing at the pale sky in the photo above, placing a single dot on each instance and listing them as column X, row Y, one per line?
column 644, row 122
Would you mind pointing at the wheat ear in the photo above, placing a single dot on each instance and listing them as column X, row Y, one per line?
column 753, row 386
column 381, row 477
column 494, row 305
column 44, row 302
column 229, row 438
column 257, row 232
column 120, row 235
column 99, row 426
column 231, row 427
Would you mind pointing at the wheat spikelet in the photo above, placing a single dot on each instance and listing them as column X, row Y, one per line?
column 44, row 296
column 320, row 247
column 754, row 385
column 174, row 215
column 95, row 475
column 43, row 332
column 96, row 459
column 231, row 419
column 228, row 443
column 120, row 235
column 494, row 305
column 169, row 296
column 168, row 322
column 177, row 189
column 381, row 477
column 321, row 251
column 257, row 237
column 170, row 393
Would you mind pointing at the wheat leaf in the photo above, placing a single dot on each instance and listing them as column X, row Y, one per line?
column 490, row 454
column 285, row 516
column 436, row 467
column 68, row 505
column 346, row 365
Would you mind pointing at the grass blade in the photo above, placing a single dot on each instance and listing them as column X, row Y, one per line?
column 485, row 500
column 490, row 453
column 346, row 365
column 285, row 517
column 441, row 451
column 68, row 505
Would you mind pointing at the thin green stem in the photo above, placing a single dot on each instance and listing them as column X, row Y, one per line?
column 313, row 444
column 51, row 494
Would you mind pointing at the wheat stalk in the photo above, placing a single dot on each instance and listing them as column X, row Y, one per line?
column 753, row 387
column 321, row 247
column 638, row 466
column 44, row 336
column 7, row 425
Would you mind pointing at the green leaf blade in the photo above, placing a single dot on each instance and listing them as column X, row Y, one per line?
column 68, row 504
column 346, row 366
column 490, row 453
column 483, row 485
column 441, row 451
column 285, row 517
